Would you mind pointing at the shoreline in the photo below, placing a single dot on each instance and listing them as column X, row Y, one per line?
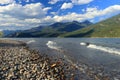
column 18, row 62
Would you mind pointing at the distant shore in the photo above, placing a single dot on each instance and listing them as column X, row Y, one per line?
column 18, row 62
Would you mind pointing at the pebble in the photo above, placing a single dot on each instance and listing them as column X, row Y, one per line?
column 19, row 63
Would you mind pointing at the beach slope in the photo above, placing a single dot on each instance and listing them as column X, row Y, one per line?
column 17, row 62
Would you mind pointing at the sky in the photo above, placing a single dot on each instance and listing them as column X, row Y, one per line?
column 25, row 14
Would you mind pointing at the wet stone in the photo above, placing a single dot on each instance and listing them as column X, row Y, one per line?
column 20, row 63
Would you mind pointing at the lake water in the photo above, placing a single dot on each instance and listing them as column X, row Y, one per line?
column 90, row 51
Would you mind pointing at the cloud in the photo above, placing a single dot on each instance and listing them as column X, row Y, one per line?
column 53, row 13
column 81, row 2
column 47, row 8
column 16, row 16
column 27, row 0
column 75, row 2
column 93, row 12
column 91, row 9
column 12, row 1
column 35, row 10
column 20, row 1
column 90, row 13
column 53, row 1
column 111, row 9
column 6, row 1
column 27, row 16
column 67, row 5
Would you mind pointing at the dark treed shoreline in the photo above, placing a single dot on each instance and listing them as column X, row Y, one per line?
column 18, row 62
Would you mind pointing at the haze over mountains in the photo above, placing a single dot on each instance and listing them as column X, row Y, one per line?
column 105, row 28
column 53, row 30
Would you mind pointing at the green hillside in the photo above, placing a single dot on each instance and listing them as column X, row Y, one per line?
column 106, row 28
column 53, row 30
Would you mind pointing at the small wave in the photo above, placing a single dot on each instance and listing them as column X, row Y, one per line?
column 105, row 49
column 31, row 41
column 84, row 44
column 53, row 45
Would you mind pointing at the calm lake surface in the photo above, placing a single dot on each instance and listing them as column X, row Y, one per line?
column 91, row 51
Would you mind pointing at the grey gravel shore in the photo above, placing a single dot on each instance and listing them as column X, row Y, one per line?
column 17, row 62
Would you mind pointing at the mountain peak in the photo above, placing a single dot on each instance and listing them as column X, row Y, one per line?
column 53, row 30
column 75, row 22
column 87, row 22
column 106, row 28
column 57, row 24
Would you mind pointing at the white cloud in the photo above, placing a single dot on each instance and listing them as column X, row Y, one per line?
column 93, row 12
column 81, row 2
column 6, row 1
column 67, row 5
column 111, row 9
column 12, row 1
column 20, row 1
column 16, row 16
column 53, row 1
column 47, row 8
column 53, row 13
column 89, row 14
column 75, row 2
column 27, row 0
column 28, row 11
column 91, row 9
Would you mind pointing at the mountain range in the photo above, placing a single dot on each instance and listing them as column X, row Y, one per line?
column 53, row 30
column 106, row 28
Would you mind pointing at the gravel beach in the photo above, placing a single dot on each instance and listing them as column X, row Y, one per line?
column 17, row 62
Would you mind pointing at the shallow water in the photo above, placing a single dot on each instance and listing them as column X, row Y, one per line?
column 99, row 51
